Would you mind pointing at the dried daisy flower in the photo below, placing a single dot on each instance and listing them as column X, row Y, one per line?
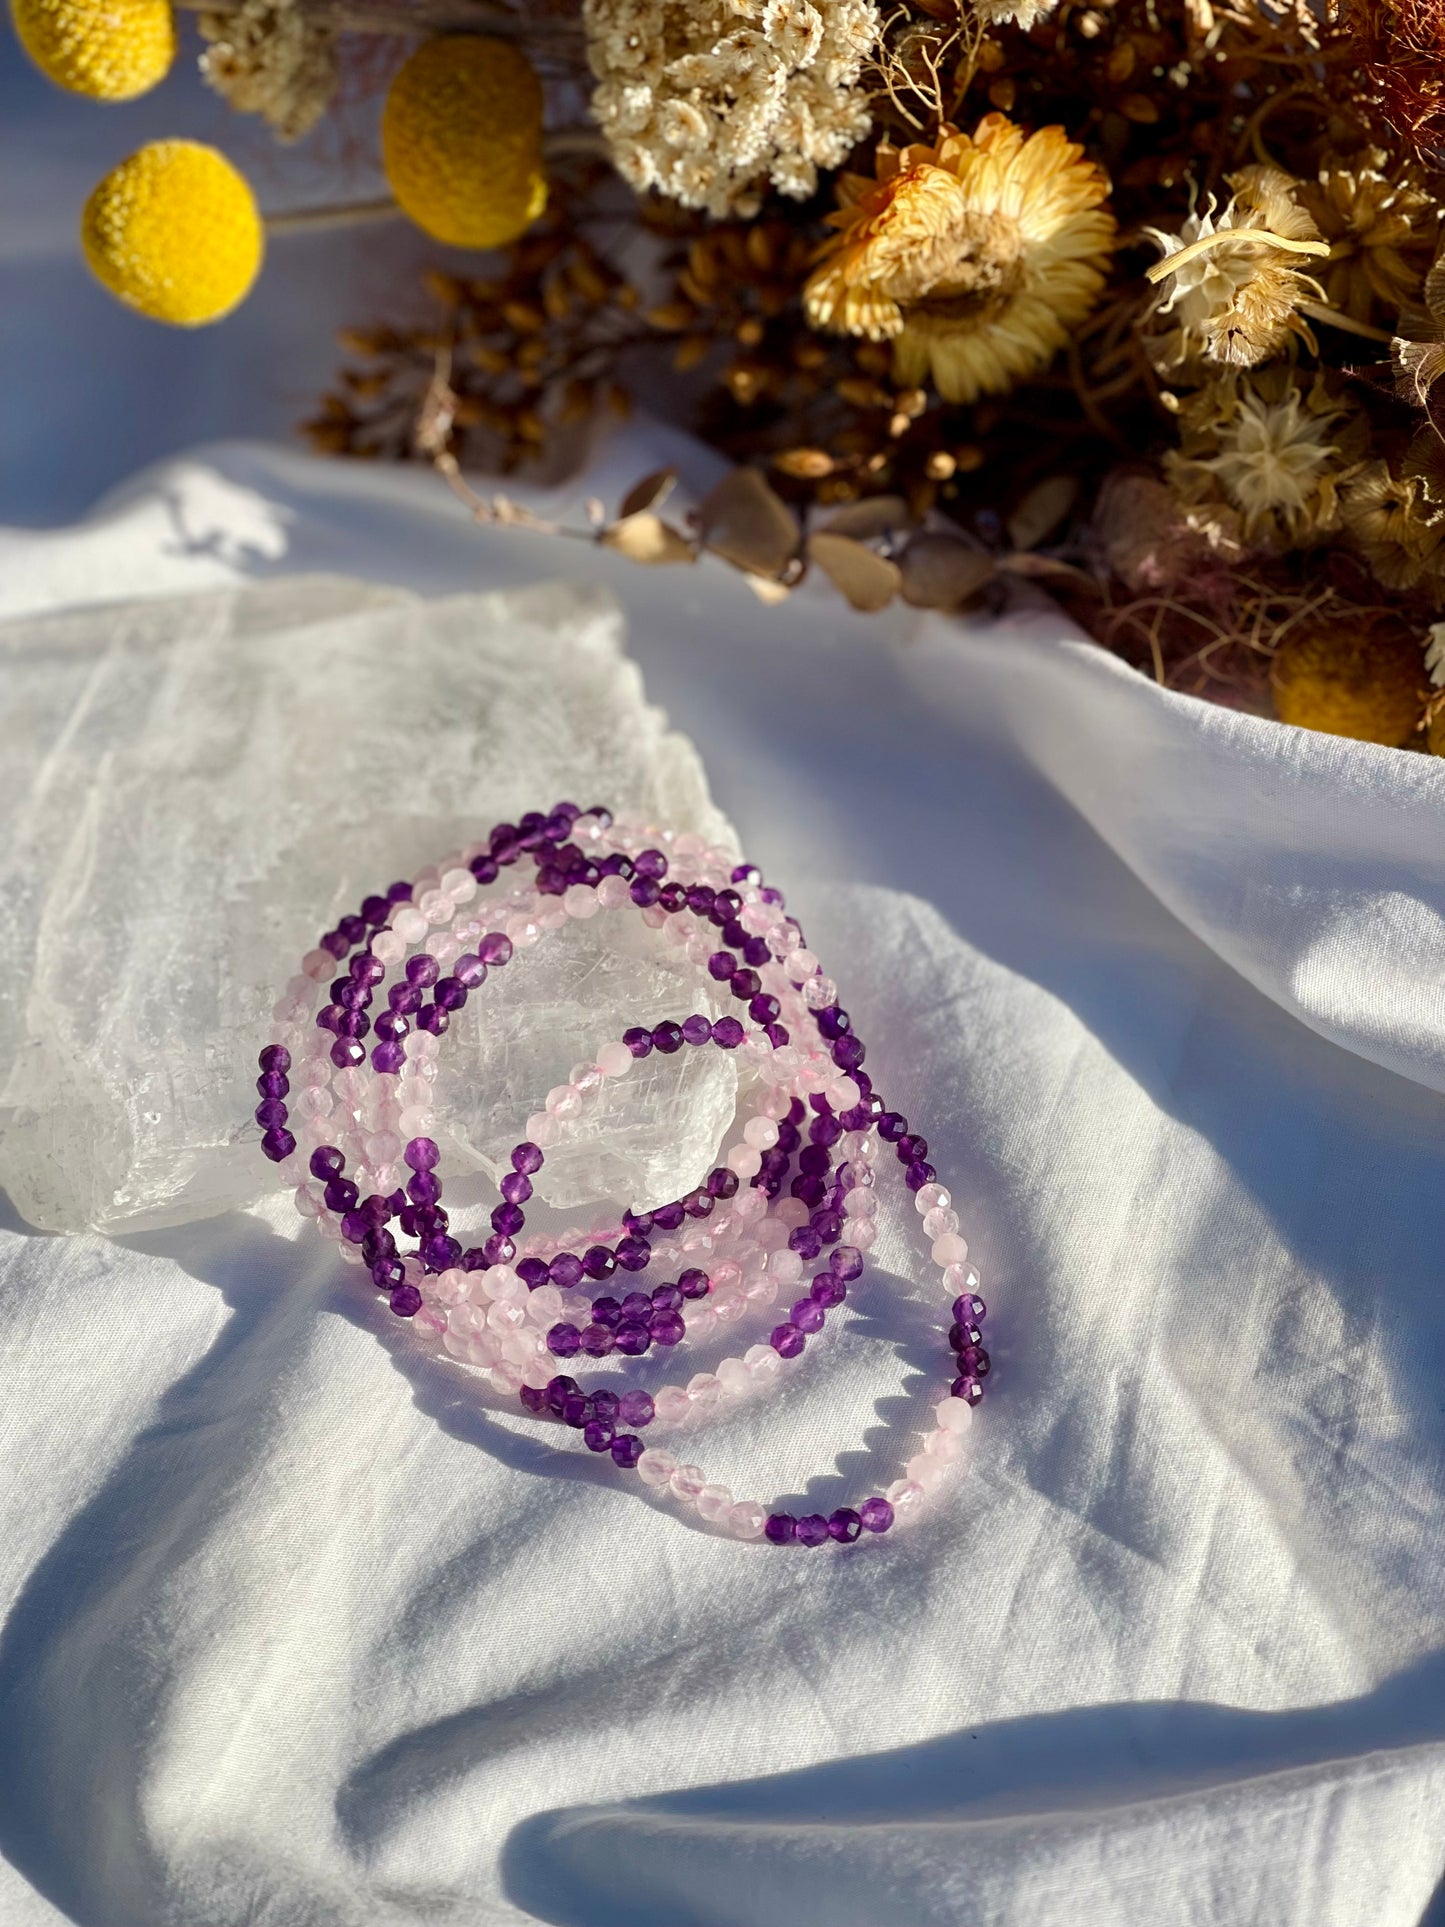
column 267, row 57
column 1023, row 14
column 1235, row 291
column 1382, row 233
column 702, row 99
column 1276, row 446
column 1400, row 533
column 974, row 257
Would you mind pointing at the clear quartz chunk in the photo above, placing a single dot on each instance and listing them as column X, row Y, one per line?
column 195, row 788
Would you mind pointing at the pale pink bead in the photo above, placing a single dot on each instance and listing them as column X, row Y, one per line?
column 523, row 931
column 860, row 1204
column 819, row 993
column 546, row 1305
column 671, row 1404
column 389, row 1176
column 687, row 1481
column 863, row 1233
column 959, row 1278
column 436, row 907
column 763, row 1364
column 743, row 1160
column 939, row 1222
column 306, row 1204
column 508, row 1380
column 416, row 1121
column 425, row 879
column 460, row 885
column 932, row 1197
column 350, row 1253
column 906, row 1498
column 554, row 917
column 761, row 1291
column 563, row 1101
column 612, row 893
column 318, row 965
column 761, row 1133
column 727, row 1304
column 733, row 1377
column 288, row 1010
column 540, row 1372
column 409, row 924
column 802, row 964
column 950, row 1249
column 713, row 1502
column 655, row 1468
column 774, row 1103
column 790, row 1212
column 580, row 902
column 701, row 1321
column 785, row 1267
column 446, row 950
column 450, row 1287
column 504, row 1285
column 747, row 1519
column 748, row 1207
column 654, row 916
column 944, row 1445
column 383, row 1147
column 455, row 1342
column 615, row 1059
column 429, row 1320
column 465, row 1316
column 585, row 1079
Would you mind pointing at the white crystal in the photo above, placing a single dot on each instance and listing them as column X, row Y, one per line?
column 194, row 788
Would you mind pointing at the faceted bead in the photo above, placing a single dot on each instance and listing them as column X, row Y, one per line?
column 527, row 1158
column 808, row 1315
column 597, row 1434
column 421, row 1154
column 781, row 1528
column 687, row 1481
column 565, row 1270
column 277, row 1144
column 494, row 949
column 406, row 1301
column 636, row 1408
column 598, row 1262
column 632, row 1338
column 638, row 1040
column 746, row 1520
column 875, row 1515
column 626, row 1450
column 696, row 1029
column 275, row 1057
column 667, row 1037
column 728, row 1033
column 422, row 971
column 844, row 1525
column 666, row 1327
column 787, row 1341
column 655, row 1468
column 812, row 1530
column 327, row 1162
column 564, row 1340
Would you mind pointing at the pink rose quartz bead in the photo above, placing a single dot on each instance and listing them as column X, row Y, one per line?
column 746, row 1519
column 687, row 1481
column 950, row 1249
column 954, row 1415
column 906, row 1498
column 713, row 1502
column 615, row 1059
column 671, row 1404
column 704, row 1391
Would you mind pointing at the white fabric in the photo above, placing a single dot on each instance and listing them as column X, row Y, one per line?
column 299, row 1630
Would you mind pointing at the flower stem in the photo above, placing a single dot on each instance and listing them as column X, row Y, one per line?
column 1172, row 263
column 1317, row 311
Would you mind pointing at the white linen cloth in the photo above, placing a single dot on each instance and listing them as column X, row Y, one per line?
column 298, row 1630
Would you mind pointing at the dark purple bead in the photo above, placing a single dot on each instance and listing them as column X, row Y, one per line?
column 633, row 1337
column 565, row 1270
column 275, row 1057
column 425, row 1187
column 598, row 1262
column 638, row 1041
column 667, row 1037
column 726, row 905
column 499, row 1249
column 637, row 1224
column 388, row 1059
column 633, row 1254
column 728, row 1033
column 388, row 1273
column 516, row 1187
column 270, row 1111
column 812, row 1530
column 347, row 1053
column 441, row 1252
column 833, row 1024
column 668, row 1217
column 377, row 1244
column 422, row 970
column 334, row 944
column 672, row 897
column 508, row 1219
column 597, row 1434
column 825, row 1130
column 848, row 1053
column 353, row 1023
column 699, row 1203
column 277, row 1143
column 399, row 892
column 701, row 897
column 917, row 1175
column 892, row 1125
column 844, row 1525
column 744, row 984
column 666, row 1298
column 495, row 948
column 421, row 1154
column 563, row 1340
column 607, row 1311
column 781, row 1528
column 755, row 952
column 433, row 1018
column 473, row 1260
column 469, row 971
column 808, row 1315
column 763, row 1009
column 847, row 1262
column 747, row 873
column 786, row 1340
column 597, row 1341
column 527, row 1158
column 392, row 1026
column 721, row 965
column 353, row 930
column 827, row 1224
column 604, row 1404
column 450, row 993
column 626, row 1451
column 532, row 1272
column 776, row 1034
column 557, row 1390
column 534, row 1398
column 341, row 1195
column 805, row 1241
column 405, row 999
column 696, row 1029
column 366, row 968
column 665, row 1327
column 406, row 1301
column 722, row 1183
column 376, row 910
column 912, row 1149
column 576, row 1410
column 967, row 1387
column 875, row 1515
column 650, row 863
column 829, row 1290
column 979, row 1363
column 693, row 1283
column 635, row 1408
column 644, row 892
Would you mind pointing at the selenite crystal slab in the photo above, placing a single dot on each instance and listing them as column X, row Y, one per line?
column 194, row 788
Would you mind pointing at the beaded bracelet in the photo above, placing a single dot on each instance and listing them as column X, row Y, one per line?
column 735, row 1240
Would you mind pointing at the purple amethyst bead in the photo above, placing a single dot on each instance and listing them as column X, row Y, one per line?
column 875, row 1515
column 277, row 1143
column 534, row 1398
column 275, row 1083
column 433, row 1018
column 807, row 1315
column 425, row 1187
column 341, row 1195
column 406, row 1301
column 469, row 971
column 666, row 1327
column 967, row 1387
column 728, row 1033
column 693, row 1283
column 516, row 1188
column 632, row 1337
column 917, row 1175
column 392, row 1026
column 812, row 1530
column 892, row 1126
column 847, row 1262
column 597, row 1434
column 450, row 993
column 404, row 999
column 829, row 1290
column 499, row 1249
column 527, row 1158
column 270, row 1111
column 275, row 1057
column 422, row 970
column 598, row 1262
column 635, row 1408
column 634, row 1254
column 563, row 1341
column 666, row 1298
column 597, row 1341
column 605, row 1404
column 495, row 948
column 347, row 1053
column 388, row 1059
column 638, row 1040
column 696, row 1029
column 422, row 1154
column 786, row 1340
column 721, row 965
column 667, row 1037
column 722, row 1183
column 668, row 1217
column 844, row 1525
column 565, row 1270
column 805, row 1241
column 626, row 1451
column 532, row 1272
column 557, row 1390
column 781, row 1528
column 508, row 1219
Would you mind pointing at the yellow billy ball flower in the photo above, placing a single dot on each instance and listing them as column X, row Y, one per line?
column 1359, row 679
column 108, row 49
column 174, row 232
column 461, row 139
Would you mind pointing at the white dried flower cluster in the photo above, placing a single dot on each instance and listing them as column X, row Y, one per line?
column 702, row 99
column 266, row 57
column 1022, row 13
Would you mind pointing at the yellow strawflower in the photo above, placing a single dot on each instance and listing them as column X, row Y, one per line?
column 461, row 140
column 107, row 49
column 174, row 232
column 1352, row 679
